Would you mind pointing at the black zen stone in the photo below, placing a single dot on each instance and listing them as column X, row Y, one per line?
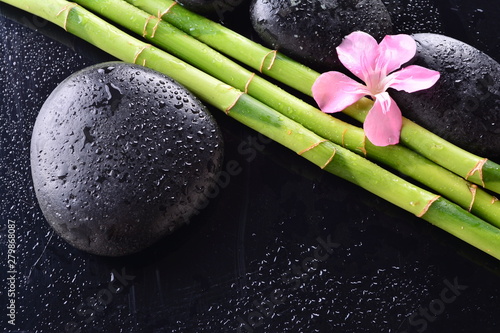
column 310, row 30
column 463, row 107
column 122, row 156
column 216, row 9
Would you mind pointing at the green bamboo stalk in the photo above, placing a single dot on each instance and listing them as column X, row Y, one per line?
column 198, row 54
column 469, row 166
column 256, row 115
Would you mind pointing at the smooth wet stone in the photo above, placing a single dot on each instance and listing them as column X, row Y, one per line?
column 122, row 156
column 463, row 107
column 214, row 9
column 415, row 16
column 310, row 30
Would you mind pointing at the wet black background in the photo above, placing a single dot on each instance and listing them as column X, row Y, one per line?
column 240, row 255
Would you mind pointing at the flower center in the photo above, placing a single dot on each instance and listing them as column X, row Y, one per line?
column 376, row 83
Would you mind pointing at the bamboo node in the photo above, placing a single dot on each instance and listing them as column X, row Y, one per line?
column 138, row 53
column 155, row 27
column 228, row 109
column 67, row 8
column 363, row 147
column 329, row 160
column 314, row 145
column 248, row 82
column 426, row 208
column 479, row 169
column 274, row 53
column 145, row 29
column 160, row 15
column 473, row 191
column 343, row 136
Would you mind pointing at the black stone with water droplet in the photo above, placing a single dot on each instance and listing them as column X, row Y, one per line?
column 310, row 30
column 415, row 16
column 118, row 152
column 211, row 7
column 463, row 107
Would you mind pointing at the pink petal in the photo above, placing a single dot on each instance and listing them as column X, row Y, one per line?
column 394, row 51
column 383, row 123
column 413, row 78
column 334, row 91
column 358, row 53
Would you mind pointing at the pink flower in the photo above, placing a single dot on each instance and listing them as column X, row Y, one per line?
column 375, row 64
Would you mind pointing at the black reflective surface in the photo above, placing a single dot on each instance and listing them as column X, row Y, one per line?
column 283, row 247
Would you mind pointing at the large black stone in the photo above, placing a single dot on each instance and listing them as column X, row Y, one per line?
column 121, row 156
column 310, row 30
column 463, row 107
column 217, row 10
